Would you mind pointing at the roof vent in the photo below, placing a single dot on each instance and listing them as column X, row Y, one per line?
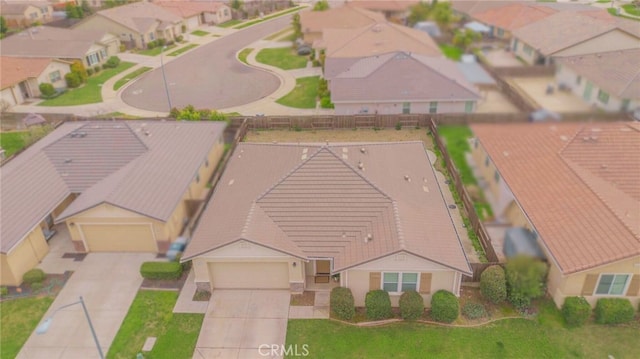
column 368, row 238
column 407, row 178
column 377, row 28
column 231, row 182
column 360, row 165
column 363, row 150
column 147, row 133
column 68, row 160
column 82, row 134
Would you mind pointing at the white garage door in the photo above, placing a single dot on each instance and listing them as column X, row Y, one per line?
column 249, row 275
column 118, row 238
column 192, row 22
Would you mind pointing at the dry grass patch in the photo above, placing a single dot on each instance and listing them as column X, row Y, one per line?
column 307, row 298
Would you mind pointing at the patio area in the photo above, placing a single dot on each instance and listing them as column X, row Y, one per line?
column 502, row 58
column 558, row 101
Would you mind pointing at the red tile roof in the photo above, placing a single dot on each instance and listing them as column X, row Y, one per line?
column 14, row 70
column 514, row 16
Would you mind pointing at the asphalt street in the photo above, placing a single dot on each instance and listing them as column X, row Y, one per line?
column 209, row 76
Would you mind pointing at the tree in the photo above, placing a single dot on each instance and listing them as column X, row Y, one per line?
column 297, row 27
column 73, row 11
column 86, row 9
column 419, row 12
column 236, row 5
column 465, row 38
column 321, row 5
column 3, row 27
column 441, row 13
column 78, row 68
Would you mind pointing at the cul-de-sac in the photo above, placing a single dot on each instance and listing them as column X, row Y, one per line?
column 370, row 179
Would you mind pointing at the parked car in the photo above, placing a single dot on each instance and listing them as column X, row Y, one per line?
column 176, row 248
column 304, row 50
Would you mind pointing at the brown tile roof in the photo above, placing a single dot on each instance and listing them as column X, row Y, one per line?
column 399, row 76
column 316, row 201
column 140, row 16
column 186, row 9
column 514, row 16
column 51, row 42
column 377, row 39
column 344, row 17
column 14, row 70
column 471, row 7
column 576, row 182
column 617, row 72
column 385, row 5
column 144, row 167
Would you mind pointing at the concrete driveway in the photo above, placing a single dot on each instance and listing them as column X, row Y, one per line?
column 108, row 283
column 239, row 323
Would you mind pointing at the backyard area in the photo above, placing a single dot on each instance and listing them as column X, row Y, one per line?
column 303, row 95
column 18, row 319
column 11, row 142
column 282, row 57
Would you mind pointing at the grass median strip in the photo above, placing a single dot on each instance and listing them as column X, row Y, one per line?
column 282, row 57
column 200, row 33
column 182, row 50
column 229, row 23
column 155, row 51
column 253, row 22
column 18, row 318
column 130, row 77
column 242, row 55
column 303, row 95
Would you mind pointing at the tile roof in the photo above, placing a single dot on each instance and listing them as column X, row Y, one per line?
column 186, row 9
column 399, row 76
column 140, row 16
column 385, row 5
column 471, row 7
column 514, row 16
column 617, row 72
column 51, row 42
column 376, row 39
column 19, row 7
column 576, row 182
column 14, row 70
column 344, row 17
column 324, row 200
column 144, row 167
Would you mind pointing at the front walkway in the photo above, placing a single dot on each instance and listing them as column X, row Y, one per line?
column 319, row 310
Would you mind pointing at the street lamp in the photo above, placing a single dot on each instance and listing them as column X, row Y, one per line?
column 44, row 326
column 164, row 77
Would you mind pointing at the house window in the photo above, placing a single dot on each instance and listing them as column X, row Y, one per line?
column 475, row 143
column 152, row 36
column 433, row 107
column 206, row 162
column 496, row 176
column 406, row 107
column 527, row 49
column 93, row 59
column 103, row 53
column 625, row 105
column 33, row 15
column 578, row 80
column 55, row 76
column 399, row 282
column 468, row 106
column 226, row 12
column 486, row 161
column 197, row 177
column 612, row 284
column 603, row 97
column 500, row 32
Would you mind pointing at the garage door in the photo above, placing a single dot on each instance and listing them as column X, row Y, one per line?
column 192, row 22
column 118, row 238
column 249, row 275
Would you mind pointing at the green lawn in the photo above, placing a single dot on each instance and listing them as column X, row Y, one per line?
column 253, row 22
column 456, row 139
column 229, row 23
column 511, row 338
column 90, row 92
column 130, row 77
column 631, row 9
column 282, row 57
column 150, row 315
column 11, row 142
column 156, row 50
column 200, row 33
column 303, row 95
column 242, row 55
column 452, row 52
column 182, row 50
column 612, row 11
column 18, row 319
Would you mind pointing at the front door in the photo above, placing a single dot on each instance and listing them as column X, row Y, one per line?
column 323, row 267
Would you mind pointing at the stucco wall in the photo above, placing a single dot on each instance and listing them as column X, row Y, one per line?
column 518, row 48
column 500, row 192
column 396, row 107
column 11, row 96
column 23, row 257
column 63, row 68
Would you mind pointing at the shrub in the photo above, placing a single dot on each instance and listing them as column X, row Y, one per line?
column 161, row 42
column 218, row 116
column 576, row 311
column 444, row 306
column 179, row 38
column 398, row 126
column 342, row 303
column 378, row 305
column 474, row 310
column 78, row 68
column 97, row 69
column 46, row 89
column 4, row 291
column 411, row 305
column 73, row 80
column 325, row 102
column 161, row 270
column 493, row 284
column 123, row 48
column 90, row 71
column 525, row 280
column 113, row 62
column 613, row 311
column 36, row 286
column 151, row 44
column 34, row 276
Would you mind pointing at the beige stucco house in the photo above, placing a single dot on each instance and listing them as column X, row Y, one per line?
column 136, row 24
column 575, row 186
column 196, row 13
column 372, row 213
column 133, row 197
column 26, row 13
column 20, row 77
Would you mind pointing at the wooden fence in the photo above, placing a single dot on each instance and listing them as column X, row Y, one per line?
column 477, row 269
column 525, row 71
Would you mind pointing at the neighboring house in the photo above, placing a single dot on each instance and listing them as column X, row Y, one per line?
column 20, row 77
column 504, row 19
column 402, row 83
column 393, row 10
column 313, row 23
column 92, row 47
column 136, row 24
column 571, row 34
column 117, row 186
column 24, row 14
column 608, row 80
column 374, row 213
column 575, row 187
column 196, row 13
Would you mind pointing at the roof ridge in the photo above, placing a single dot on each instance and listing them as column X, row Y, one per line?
column 440, row 74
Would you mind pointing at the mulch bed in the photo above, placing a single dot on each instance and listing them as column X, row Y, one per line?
column 307, row 298
column 51, row 286
column 201, row 296
column 166, row 284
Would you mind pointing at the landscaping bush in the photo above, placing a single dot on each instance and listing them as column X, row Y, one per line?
column 97, row 69
column 151, row 44
column 493, row 284
column 36, row 286
column 474, row 310
column 444, row 306
column 34, row 276
column 46, row 89
column 218, row 116
column 161, row 270
column 77, row 67
column 161, row 42
column 378, row 305
column 398, row 126
column 179, row 38
column 123, row 48
column 73, row 80
column 90, row 71
column 4, row 291
column 342, row 303
column 576, row 311
column 113, row 62
column 613, row 311
column 525, row 280
column 325, row 102
column 411, row 305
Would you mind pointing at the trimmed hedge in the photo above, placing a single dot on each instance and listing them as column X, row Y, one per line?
column 34, row 276
column 576, row 311
column 112, row 62
column 161, row 270
column 493, row 284
column 4, row 291
column 411, row 305
column 614, row 311
column 526, row 280
column 473, row 310
column 73, row 80
column 342, row 303
column 444, row 306
column 378, row 305
column 46, row 89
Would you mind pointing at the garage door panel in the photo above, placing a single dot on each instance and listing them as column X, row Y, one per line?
column 119, row 238
column 249, row 275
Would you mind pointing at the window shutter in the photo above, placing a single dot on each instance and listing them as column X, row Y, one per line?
column 374, row 280
column 589, row 284
column 634, row 286
column 425, row 283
